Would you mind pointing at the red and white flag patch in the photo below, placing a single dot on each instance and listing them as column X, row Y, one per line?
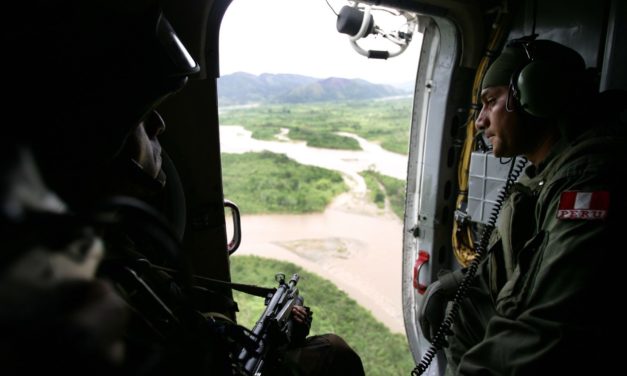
column 583, row 205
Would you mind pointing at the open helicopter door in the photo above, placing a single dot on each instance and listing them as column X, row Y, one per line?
column 453, row 39
column 459, row 41
column 441, row 94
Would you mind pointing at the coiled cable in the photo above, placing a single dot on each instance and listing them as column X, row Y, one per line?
column 439, row 339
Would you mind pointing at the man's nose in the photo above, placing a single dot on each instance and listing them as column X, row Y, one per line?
column 481, row 121
column 154, row 125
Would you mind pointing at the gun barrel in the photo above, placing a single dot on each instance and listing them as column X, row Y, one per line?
column 294, row 280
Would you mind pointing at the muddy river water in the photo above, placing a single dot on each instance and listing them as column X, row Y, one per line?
column 352, row 243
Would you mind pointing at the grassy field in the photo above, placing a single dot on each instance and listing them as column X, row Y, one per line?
column 382, row 352
column 272, row 183
column 383, row 121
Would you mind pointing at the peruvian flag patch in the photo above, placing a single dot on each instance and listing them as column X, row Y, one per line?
column 583, row 205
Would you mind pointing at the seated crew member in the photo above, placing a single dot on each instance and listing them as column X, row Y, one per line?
column 73, row 145
column 544, row 294
column 55, row 313
column 139, row 165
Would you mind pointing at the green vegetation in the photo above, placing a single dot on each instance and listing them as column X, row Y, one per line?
column 381, row 186
column 382, row 352
column 266, row 131
column 272, row 183
column 384, row 121
column 377, row 192
column 322, row 140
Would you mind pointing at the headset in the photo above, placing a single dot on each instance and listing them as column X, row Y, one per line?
column 552, row 77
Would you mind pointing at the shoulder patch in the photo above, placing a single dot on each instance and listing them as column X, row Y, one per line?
column 583, row 205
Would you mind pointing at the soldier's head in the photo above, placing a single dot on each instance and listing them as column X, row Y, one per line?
column 525, row 93
column 85, row 74
column 137, row 169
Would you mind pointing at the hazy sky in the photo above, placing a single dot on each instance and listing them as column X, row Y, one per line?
column 300, row 37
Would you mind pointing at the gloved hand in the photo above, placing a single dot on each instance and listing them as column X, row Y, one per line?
column 435, row 301
column 301, row 318
column 432, row 310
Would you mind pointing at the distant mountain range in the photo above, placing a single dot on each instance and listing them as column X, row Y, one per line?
column 244, row 88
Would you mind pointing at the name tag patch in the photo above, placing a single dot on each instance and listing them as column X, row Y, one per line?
column 583, row 205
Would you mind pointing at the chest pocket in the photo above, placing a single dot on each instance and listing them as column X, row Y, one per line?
column 516, row 226
column 515, row 290
column 516, row 222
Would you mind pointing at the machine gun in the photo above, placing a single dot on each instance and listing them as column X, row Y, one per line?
column 273, row 331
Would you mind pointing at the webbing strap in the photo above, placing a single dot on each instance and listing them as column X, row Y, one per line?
column 210, row 282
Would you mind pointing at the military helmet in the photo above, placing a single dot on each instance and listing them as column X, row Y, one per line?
column 84, row 73
column 544, row 76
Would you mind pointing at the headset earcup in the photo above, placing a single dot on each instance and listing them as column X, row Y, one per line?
column 543, row 89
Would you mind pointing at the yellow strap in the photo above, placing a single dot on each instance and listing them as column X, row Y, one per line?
column 462, row 239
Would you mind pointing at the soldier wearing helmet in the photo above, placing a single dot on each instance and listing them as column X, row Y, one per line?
column 543, row 294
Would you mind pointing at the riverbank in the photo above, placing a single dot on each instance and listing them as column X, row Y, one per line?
column 352, row 243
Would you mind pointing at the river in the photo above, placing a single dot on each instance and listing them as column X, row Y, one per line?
column 353, row 243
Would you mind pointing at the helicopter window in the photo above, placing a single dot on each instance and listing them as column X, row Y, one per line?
column 314, row 140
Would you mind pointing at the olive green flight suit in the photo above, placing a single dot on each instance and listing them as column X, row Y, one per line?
column 544, row 301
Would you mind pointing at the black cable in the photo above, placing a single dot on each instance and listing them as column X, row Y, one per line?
column 333, row 10
column 439, row 339
column 481, row 144
column 535, row 17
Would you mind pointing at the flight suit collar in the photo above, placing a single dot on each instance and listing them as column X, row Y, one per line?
column 533, row 171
